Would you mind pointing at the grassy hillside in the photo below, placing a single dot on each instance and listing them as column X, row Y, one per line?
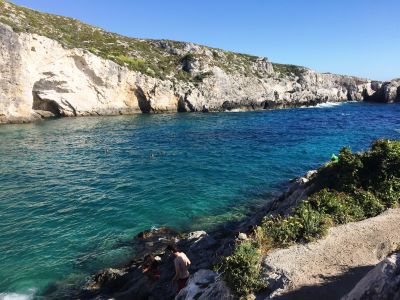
column 156, row 58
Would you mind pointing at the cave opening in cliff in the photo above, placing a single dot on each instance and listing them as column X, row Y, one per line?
column 143, row 103
column 45, row 105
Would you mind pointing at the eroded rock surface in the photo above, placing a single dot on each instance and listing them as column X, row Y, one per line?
column 381, row 283
column 205, row 285
column 387, row 92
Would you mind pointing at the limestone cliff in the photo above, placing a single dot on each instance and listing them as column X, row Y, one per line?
column 56, row 66
column 387, row 92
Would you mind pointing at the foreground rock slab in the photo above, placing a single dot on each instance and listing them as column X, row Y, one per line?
column 203, row 285
column 330, row 267
column 382, row 282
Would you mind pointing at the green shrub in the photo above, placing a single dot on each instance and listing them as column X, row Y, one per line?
column 242, row 269
column 215, row 54
column 369, row 171
column 287, row 70
column 183, row 75
column 339, row 206
column 342, row 175
column 282, row 231
column 200, row 77
column 314, row 224
column 381, row 163
column 261, row 238
column 389, row 192
column 369, row 203
column 132, row 63
column 356, row 187
column 305, row 225
column 347, row 170
column 188, row 57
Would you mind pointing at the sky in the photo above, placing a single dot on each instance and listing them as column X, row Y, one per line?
column 352, row 37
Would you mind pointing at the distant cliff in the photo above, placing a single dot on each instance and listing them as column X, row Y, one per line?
column 57, row 66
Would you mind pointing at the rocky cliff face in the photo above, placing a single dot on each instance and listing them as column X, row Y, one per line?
column 387, row 92
column 40, row 78
column 55, row 66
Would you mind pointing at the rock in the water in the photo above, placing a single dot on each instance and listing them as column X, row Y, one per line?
column 381, row 283
column 108, row 278
column 154, row 240
column 196, row 235
column 204, row 285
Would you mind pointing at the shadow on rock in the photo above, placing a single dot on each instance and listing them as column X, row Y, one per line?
column 333, row 289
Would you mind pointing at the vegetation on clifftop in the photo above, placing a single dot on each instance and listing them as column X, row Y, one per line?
column 157, row 58
column 288, row 70
column 356, row 187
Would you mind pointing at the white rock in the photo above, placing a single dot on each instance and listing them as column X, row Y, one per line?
column 196, row 234
column 204, row 285
column 242, row 236
column 39, row 74
column 382, row 282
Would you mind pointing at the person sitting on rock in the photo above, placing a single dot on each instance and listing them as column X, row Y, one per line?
column 151, row 267
column 181, row 263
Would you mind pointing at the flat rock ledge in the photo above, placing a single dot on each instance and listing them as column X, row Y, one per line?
column 331, row 267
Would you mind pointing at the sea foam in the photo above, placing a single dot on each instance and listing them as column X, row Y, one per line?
column 328, row 104
column 17, row 296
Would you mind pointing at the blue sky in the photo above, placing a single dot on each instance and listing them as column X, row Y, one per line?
column 355, row 37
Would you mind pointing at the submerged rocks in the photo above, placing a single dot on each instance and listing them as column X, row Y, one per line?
column 129, row 282
column 203, row 249
column 382, row 282
column 154, row 240
column 108, row 278
column 312, row 270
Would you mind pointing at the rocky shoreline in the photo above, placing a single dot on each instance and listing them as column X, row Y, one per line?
column 283, row 269
column 204, row 249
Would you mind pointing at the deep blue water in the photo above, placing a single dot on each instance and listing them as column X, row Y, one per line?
column 71, row 190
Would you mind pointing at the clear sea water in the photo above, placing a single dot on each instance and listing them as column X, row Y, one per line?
column 73, row 191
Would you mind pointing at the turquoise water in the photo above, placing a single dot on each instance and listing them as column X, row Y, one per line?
column 73, row 191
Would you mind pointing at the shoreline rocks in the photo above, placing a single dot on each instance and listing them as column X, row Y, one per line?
column 204, row 250
column 205, row 285
column 330, row 266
